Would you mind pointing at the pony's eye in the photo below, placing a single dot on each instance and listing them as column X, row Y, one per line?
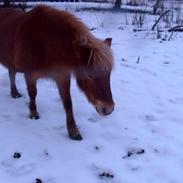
column 90, row 77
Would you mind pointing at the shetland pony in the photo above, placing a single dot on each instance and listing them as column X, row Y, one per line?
column 49, row 43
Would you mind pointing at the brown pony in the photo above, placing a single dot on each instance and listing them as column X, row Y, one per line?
column 46, row 42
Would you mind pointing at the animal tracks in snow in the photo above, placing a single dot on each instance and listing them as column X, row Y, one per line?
column 150, row 118
column 13, row 168
column 176, row 100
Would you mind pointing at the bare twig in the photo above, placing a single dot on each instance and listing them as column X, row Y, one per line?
column 138, row 60
column 139, row 30
column 163, row 14
column 93, row 28
column 170, row 37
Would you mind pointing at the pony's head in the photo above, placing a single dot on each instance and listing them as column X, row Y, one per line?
column 93, row 74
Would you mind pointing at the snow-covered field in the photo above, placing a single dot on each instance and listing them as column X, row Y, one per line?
column 140, row 142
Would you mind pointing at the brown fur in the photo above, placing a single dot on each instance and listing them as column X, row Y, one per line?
column 46, row 42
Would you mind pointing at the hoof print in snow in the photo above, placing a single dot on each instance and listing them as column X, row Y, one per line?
column 134, row 152
column 46, row 153
column 149, row 118
column 17, row 155
column 166, row 62
column 92, row 120
column 156, row 150
column 38, row 181
column 97, row 148
column 120, row 28
column 106, row 175
column 124, row 60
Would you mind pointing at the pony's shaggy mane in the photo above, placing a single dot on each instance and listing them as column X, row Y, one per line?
column 101, row 54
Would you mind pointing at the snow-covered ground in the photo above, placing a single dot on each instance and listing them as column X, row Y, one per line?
column 140, row 142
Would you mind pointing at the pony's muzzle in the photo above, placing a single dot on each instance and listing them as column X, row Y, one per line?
column 104, row 109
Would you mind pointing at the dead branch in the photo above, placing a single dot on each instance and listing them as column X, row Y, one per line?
column 162, row 15
column 178, row 28
column 139, row 30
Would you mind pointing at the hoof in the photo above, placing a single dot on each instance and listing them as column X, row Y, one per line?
column 16, row 95
column 34, row 116
column 76, row 137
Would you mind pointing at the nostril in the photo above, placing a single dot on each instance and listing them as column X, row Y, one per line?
column 104, row 111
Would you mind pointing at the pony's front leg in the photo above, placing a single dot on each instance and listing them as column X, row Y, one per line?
column 13, row 88
column 32, row 91
column 64, row 91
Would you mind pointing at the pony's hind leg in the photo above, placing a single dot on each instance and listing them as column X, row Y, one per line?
column 64, row 91
column 13, row 88
column 32, row 91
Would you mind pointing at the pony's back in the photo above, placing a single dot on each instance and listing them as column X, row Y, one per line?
column 9, row 20
column 45, row 38
column 48, row 38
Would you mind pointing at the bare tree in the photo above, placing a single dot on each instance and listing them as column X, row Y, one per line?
column 158, row 4
column 6, row 3
column 10, row 3
column 133, row 2
column 117, row 4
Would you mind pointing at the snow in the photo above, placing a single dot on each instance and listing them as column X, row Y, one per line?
column 72, row 6
column 148, row 116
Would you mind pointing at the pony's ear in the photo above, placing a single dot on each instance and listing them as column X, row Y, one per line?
column 108, row 41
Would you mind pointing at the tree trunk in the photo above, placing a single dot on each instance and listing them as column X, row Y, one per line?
column 6, row 3
column 155, row 7
column 117, row 4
